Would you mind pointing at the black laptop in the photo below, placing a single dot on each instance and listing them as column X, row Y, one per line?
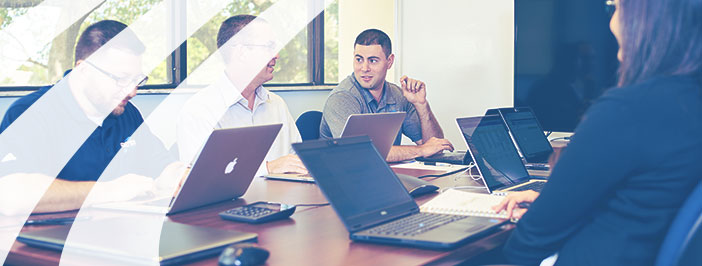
column 372, row 203
column 527, row 134
column 495, row 156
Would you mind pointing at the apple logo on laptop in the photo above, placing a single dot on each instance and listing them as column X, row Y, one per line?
column 230, row 166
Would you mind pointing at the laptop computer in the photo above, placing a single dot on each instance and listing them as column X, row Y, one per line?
column 495, row 156
column 454, row 157
column 372, row 203
column 382, row 128
column 179, row 243
column 223, row 170
column 527, row 135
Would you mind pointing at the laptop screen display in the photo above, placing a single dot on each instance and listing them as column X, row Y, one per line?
column 355, row 179
column 491, row 147
column 528, row 135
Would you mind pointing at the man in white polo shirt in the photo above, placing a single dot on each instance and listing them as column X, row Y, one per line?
column 231, row 102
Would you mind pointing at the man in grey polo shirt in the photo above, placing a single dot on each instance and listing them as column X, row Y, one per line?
column 366, row 91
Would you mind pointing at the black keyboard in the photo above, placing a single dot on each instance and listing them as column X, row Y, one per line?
column 415, row 224
column 252, row 212
column 535, row 186
column 258, row 212
column 538, row 166
column 445, row 157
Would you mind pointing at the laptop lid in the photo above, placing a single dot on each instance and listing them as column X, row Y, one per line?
column 179, row 243
column 226, row 166
column 491, row 148
column 382, row 128
column 526, row 132
column 356, row 180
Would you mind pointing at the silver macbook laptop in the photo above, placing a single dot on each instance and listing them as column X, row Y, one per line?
column 382, row 128
column 495, row 156
column 372, row 202
column 223, row 171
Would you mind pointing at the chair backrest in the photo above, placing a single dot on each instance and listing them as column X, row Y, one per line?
column 683, row 243
column 308, row 125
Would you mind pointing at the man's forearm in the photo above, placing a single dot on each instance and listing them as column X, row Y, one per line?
column 430, row 126
column 404, row 152
column 64, row 195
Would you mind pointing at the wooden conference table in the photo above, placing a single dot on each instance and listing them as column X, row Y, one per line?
column 313, row 235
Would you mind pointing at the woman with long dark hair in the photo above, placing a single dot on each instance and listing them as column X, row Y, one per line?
column 635, row 156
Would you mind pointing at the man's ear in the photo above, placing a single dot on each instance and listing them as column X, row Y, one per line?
column 391, row 60
column 76, row 68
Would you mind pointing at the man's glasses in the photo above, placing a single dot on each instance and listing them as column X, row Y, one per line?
column 139, row 80
column 610, row 7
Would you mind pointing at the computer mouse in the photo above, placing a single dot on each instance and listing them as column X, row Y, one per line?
column 243, row 254
column 423, row 189
column 415, row 186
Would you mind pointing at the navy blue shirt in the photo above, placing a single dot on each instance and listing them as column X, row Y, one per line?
column 630, row 165
column 93, row 156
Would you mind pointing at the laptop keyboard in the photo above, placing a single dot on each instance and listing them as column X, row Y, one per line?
column 415, row 224
column 535, row 186
column 538, row 166
column 445, row 157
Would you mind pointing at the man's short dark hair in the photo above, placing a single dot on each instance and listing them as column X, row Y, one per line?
column 101, row 32
column 232, row 26
column 375, row 36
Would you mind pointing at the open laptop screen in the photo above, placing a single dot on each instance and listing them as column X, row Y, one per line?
column 527, row 133
column 355, row 179
column 382, row 128
column 492, row 150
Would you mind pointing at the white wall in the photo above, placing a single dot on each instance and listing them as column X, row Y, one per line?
column 359, row 15
column 463, row 50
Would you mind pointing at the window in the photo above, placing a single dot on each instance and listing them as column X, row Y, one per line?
column 48, row 65
column 331, row 43
column 45, row 65
column 291, row 67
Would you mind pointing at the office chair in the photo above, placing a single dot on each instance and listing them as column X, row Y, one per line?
column 308, row 125
column 683, row 243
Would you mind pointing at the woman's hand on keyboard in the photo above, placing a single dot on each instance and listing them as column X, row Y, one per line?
column 513, row 202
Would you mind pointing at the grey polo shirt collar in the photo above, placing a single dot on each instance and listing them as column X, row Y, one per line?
column 385, row 99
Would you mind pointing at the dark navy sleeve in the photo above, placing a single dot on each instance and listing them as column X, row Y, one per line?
column 12, row 113
column 14, row 156
column 7, row 164
column 605, row 139
column 19, row 106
